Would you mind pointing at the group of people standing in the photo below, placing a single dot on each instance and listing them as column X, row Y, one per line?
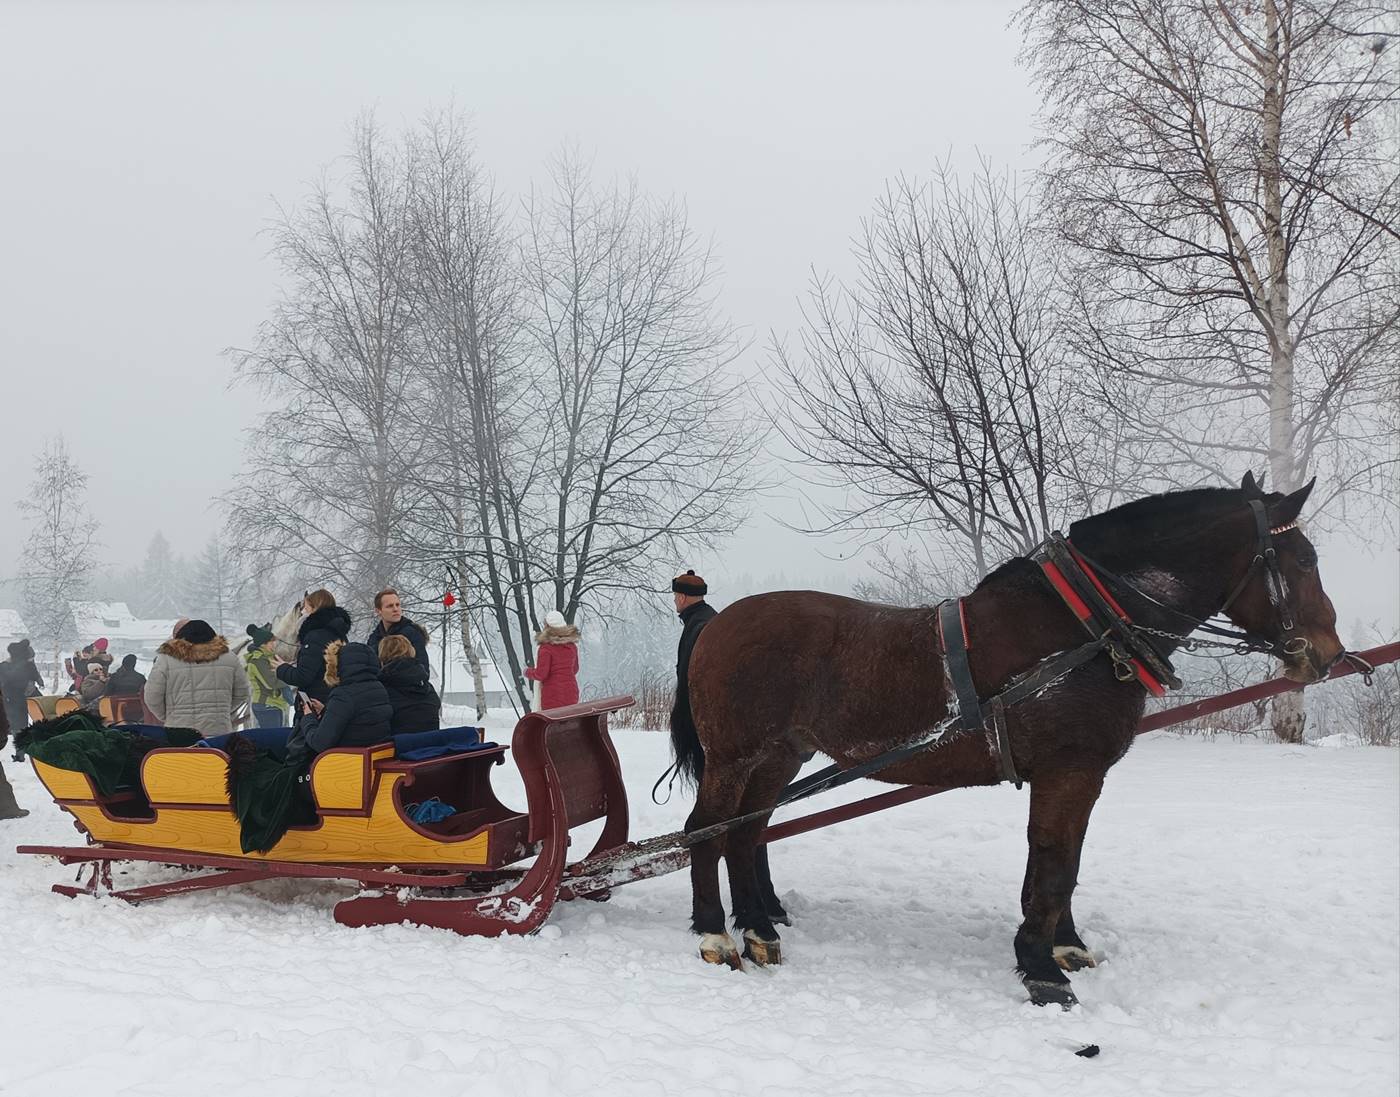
column 335, row 692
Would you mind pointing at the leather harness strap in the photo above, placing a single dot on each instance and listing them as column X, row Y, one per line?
column 952, row 628
column 1088, row 599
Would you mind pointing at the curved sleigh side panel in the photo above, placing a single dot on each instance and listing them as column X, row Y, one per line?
column 572, row 776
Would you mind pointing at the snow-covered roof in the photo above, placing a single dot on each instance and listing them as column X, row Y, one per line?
column 12, row 625
column 116, row 622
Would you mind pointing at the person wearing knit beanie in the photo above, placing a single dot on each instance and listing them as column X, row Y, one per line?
column 689, row 584
column 270, row 706
column 688, row 591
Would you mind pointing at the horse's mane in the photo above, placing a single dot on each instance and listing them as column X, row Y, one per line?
column 1148, row 518
column 1169, row 512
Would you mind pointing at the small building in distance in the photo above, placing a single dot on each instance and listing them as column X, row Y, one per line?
column 126, row 634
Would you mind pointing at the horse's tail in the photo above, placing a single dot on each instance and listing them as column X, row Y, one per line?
column 685, row 740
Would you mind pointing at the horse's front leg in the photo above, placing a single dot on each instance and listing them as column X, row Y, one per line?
column 1070, row 951
column 1059, row 815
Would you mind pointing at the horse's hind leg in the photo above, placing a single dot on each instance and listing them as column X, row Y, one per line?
column 1060, row 807
column 777, row 913
column 721, row 789
column 751, row 911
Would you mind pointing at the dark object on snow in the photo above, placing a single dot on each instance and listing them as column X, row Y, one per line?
column 1088, row 1051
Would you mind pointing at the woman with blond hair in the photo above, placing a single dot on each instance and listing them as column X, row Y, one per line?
column 417, row 706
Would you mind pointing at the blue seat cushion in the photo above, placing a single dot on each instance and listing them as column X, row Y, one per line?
column 272, row 740
column 415, row 746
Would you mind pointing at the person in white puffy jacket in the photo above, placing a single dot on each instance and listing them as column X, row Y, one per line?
column 197, row 682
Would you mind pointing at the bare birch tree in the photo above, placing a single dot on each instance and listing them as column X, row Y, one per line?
column 325, row 487
column 473, row 388
column 60, row 552
column 934, row 389
column 1224, row 175
column 643, row 456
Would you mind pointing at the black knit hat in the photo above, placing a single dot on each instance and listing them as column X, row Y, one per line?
column 20, row 649
column 689, row 583
column 196, row 632
column 261, row 634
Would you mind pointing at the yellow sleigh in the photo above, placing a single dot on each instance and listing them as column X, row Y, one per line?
column 181, row 815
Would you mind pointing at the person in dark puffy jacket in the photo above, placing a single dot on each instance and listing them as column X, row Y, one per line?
column 19, row 678
column 126, row 680
column 356, row 712
column 417, row 706
column 323, row 623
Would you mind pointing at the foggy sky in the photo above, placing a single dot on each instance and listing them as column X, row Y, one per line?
column 145, row 146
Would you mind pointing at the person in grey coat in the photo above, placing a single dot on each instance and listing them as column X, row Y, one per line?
column 197, row 682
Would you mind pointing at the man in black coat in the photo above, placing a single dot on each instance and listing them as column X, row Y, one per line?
column 389, row 609
column 126, row 680
column 695, row 613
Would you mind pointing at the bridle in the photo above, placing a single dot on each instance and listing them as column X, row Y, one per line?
column 1242, row 641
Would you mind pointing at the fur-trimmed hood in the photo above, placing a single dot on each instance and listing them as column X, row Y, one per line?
column 569, row 634
column 330, row 619
column 350, row 663
column 186, row 652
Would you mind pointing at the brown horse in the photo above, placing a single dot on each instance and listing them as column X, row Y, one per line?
column 777, row 675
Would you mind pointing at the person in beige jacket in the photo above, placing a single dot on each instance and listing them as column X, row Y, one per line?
column 197, row 682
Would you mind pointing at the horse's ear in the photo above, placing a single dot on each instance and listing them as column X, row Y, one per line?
column 1251, row 489
column 1286, row 510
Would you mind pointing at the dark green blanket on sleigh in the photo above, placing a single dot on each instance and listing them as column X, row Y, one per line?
column 261, row 787
column 111, row 756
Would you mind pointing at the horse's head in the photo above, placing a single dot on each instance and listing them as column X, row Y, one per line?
column 1282, row 600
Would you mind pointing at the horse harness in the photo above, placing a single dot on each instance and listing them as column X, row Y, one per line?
column 1084, row 586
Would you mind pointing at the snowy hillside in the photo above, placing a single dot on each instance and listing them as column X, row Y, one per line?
column 1244, row 898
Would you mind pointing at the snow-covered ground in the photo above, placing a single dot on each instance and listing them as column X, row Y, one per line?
column 1244, row 898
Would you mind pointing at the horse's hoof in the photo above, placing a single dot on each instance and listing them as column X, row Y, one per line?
column 761, row 952
column 1073, row 958
column 719, row 948
column 1045, row 993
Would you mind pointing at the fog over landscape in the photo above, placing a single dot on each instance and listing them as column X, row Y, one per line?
column 150, row 145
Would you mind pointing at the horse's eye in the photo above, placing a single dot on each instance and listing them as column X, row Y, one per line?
column 1307, row 560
